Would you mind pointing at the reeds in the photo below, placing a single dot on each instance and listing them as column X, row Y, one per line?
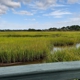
column 33, row 46
column 23, row 49
column 72, row 54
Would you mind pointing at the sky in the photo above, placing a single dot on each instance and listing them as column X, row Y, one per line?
column 38, row 14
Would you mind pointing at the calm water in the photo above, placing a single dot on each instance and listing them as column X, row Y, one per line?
column 62, row 48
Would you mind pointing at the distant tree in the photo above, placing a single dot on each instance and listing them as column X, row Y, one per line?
column 63, row 28
column 52, row 29
column 38, row 30
column 31, row 29
column 74, row 27
column 67, row 28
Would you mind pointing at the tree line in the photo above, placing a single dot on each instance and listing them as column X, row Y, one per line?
column 67, row 28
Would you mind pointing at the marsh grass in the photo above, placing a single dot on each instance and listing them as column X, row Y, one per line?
column 72, row 54
column 23, row 50
column 34, row 46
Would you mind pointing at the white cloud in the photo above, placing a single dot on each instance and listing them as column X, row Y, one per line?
column 5, row 5
column 69, row 1
column 57, row 5
column 75, row 19
column 10, row 3
column 22, row 12
column 43, row 4
column 58, row 13
column 25, row 1
column 73, row 1
column 62, row 1
column 30, row 19
column 71, row 21
column 37, row 4
column 3, row 9
column 37, row 25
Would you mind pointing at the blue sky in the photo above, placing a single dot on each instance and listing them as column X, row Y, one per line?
column 38, row 14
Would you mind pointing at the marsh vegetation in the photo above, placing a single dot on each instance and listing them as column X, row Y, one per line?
column 35, row 46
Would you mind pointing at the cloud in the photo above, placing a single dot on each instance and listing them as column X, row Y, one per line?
column 30, row 19
column 25, row 1
column 5, row 5
column 71, row 21
column 36, row 4
column 58, row 13
column 69, row 1
column 8, row 25
column 73, row 1
column 43, row 4
column 75, row 19
column 3, row 9
column 22, row 12
column 10, row 3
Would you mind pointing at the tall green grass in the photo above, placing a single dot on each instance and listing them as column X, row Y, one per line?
column 33, row 46
column 23, row 49
column 72, row 54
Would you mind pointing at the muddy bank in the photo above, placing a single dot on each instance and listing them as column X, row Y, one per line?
column 20, row 63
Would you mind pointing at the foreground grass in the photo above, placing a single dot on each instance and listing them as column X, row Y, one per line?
column 23, row 49
column 34, row 46
column 72, row 54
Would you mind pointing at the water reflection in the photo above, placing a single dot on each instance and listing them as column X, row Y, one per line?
column 62, row 48
column 77, row 45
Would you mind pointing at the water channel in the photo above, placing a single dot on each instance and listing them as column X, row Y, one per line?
column 62, row 48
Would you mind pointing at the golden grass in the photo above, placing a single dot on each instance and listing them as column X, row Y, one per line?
column 33, row 46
